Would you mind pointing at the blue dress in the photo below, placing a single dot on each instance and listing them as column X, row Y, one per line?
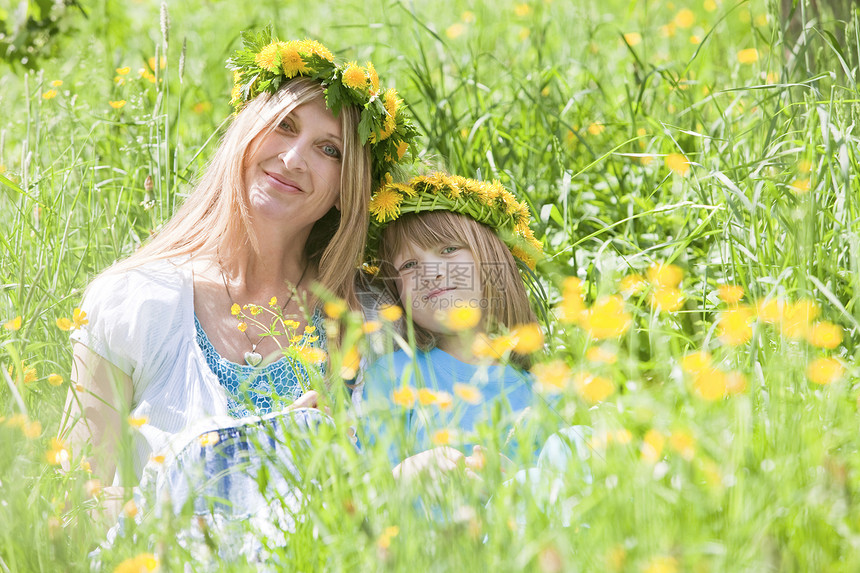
column 498, row 394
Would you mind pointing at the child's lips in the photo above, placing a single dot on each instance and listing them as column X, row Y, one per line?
column 439, row 291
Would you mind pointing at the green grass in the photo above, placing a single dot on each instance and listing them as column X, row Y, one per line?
column 566, row 108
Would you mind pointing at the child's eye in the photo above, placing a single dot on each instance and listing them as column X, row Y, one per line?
column 450, row 249
column 331, row 151
column 408, row 265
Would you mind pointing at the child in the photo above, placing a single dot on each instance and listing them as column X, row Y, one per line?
column 446, row 246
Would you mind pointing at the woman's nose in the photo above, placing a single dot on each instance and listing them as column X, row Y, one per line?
column 293, row 158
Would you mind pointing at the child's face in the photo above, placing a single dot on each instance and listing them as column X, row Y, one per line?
column 434, row 281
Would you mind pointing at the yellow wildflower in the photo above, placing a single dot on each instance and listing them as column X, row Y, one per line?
column 665, row 275
column 162, row 63
column 825, row 370
column 710, row 384
column 522, row 10
column 800, row 186
column 312, row 354
column 137, row 422
column 444, row 400
column 272, row 302
column 731, row 294
column 455, row 30
column 600, row 354
column 402, row 147
column 770, row 311
column 696, row 362
column 31, row 429
column 130, row 508
column 596, row 128
column 661, row 564
column 573, row 304
column 442, row 437
column 86, row 467
column 139, row 564
column 824, row 335
column 667, row 299
column 390, row 312
column 551, row 377
column 632, row 284
column 371, row 326
column 682, row 442
column 607, row 318
column 79, row 317
column 652, row 445
column 796, row 318
column 349, row 364
column 461, row 319
column 493, row 348
column 242, row 327
column 528, row 337
column 64, row 323
column 748, row 56
column 255, row 310
column 735, row 326
column 684, row 18
column 291, row 61
column 426, row 397
column 404, row 397
column 385, row 204
column 57, row 453
column 354, row 76
column 93, row 488
column 50, row 94
column 117, row 104
column 633, row 38
column 468, row 393
column 593, row 389
column 374, row 78
column 334, row 308
column 677, row 163
column 123, row 71
column 267, row 57
column 14, row 324
column 55, row 379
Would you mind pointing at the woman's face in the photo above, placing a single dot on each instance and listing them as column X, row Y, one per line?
column 293, row 172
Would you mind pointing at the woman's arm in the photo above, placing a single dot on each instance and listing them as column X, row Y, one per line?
column 93, row 415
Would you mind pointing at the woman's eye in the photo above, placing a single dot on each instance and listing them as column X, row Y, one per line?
column 286, row 126
column 331, row 151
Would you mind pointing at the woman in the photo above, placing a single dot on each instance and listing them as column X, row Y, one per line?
column 282, row 205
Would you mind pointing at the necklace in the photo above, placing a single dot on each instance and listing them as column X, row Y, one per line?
column 252, row 357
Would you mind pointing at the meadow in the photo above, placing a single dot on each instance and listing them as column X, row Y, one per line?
column 695, row 178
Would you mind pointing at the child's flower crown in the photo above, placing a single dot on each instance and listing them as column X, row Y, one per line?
column 487, row 203
column 264, row 63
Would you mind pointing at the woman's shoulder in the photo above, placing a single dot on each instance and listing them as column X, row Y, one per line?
column 156, row 280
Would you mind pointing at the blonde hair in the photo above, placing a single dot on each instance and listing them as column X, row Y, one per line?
column 215, row 216
column 501, row 286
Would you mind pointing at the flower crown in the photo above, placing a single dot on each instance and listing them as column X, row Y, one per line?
column 264, row 63
column 487, row 203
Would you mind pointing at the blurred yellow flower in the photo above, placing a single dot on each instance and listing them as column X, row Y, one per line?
column 695, row 40
column 770, row 311
column 804, row 166
column 209, row 439
column 151, row 61
column 57, row 453
column 633, row 38
column 468, row 393
column 312, row 354
column 623, row 436
column 709, row 5
column 123, row 71
column 139, row 564
column 528, row 338
column 736, row 383
column 350, row 363
column 600, row 354
column 79, row 317
column 117, row 104
column 824, row 335
column 825, row 370
column 130, row 508
column 652, row 445
column 444, row 400
column 710, row 384
column 371, row 326
column 524, row 33
column 800, row 186
column 404, row 396
column 455, row 30
column 684, row 18
column 442, row 437
column 14, row 324
column 50, row 94
column 467, row 16
column 696, row 362
column 57, row 83
column 796, row 318
column 137, row 422
column 731, row 294
column 31, row 429
column 465, row 318
column 677, row 163
column 93, row 488
column 592, row 388
column 682, row 442
column 55, row 379
column 596, row 128
column 493, row 348
column 661, row 564
column 607, row 318
column 426, row 397
column 665, row 275
column 735, row 325
column 668, row 31
column 748, row 56
column 551, row 377
column 632, row 284
column 667, row 299
column 573, row 304
column 522, row 10
column 390, row 313
column 334, row 308
column 159, row 459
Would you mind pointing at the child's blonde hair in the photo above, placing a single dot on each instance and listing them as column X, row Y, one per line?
column 501, row 285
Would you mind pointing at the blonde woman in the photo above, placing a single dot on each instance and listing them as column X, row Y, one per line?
column 283, row 205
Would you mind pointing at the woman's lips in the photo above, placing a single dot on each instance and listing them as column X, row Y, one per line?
column 283, row 183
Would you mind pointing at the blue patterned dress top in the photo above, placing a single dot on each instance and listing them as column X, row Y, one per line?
column 257, row 391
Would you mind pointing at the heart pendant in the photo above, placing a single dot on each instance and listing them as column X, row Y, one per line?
column 253, row 358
